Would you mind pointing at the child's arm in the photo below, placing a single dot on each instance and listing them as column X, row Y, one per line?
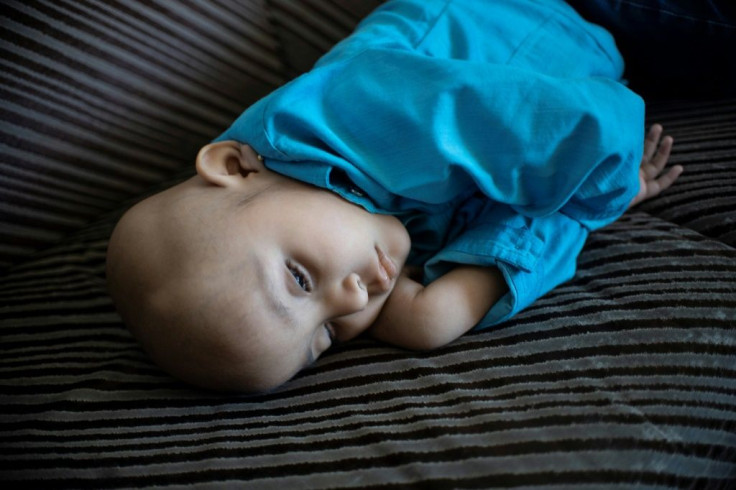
column 424, row 318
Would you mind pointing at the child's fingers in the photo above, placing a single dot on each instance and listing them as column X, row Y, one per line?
column 653, row 166
column 663, row 152
column 667, row 179
column 652, row 177
column 664, row 181
column 651, row 142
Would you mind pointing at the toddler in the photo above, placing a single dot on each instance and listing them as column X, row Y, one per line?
column 436, row 171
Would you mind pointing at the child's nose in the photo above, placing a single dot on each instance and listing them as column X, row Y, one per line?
column 351, row 296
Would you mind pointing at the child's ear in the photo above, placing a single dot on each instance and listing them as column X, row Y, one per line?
column 227, row 163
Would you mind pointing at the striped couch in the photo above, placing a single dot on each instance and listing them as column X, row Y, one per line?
column 624, row 377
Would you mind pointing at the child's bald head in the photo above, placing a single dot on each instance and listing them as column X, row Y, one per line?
column 239, row 277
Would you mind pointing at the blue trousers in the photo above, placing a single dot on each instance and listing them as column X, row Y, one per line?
column 672, row 48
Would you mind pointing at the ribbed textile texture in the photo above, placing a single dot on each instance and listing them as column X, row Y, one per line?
column 309, row 28
column 623, row 377
column 100, row 101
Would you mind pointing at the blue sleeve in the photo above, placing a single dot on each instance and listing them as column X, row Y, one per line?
column 535, row 254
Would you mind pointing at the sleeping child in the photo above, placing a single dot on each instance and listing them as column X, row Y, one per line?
column 436, row 171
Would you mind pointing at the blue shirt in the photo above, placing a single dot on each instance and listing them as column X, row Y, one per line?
column 498, row 132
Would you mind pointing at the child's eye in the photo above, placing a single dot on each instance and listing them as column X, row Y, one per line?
column 331, row 333
column 300, row 276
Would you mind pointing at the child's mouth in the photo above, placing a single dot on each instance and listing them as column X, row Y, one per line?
column 386, row 269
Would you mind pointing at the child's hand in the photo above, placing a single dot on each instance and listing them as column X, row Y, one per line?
column 656, row 153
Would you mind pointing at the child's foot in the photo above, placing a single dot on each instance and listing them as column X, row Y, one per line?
column 656, row 153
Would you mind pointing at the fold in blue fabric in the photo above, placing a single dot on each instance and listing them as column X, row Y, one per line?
column 499, row 132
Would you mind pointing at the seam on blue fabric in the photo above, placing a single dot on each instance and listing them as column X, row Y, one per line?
column 566, row 214
column 342, row 61
column 265, row 130
column 431, row 27
column 577, row 19
column 532, row 34
column 510, row 300
column 607, row 215
column 526, row 259
column 522, row 241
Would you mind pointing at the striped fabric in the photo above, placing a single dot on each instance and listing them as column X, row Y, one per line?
column 624, row 377
column 705, row 134
column 101, row 100
column 309, row 28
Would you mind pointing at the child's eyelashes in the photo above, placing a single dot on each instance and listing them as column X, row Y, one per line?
column 300, row 276
column 331, row 333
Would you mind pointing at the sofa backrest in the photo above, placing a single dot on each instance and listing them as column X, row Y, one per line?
column 102, row 100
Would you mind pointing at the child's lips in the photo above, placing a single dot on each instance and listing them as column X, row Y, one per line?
column 386, row 270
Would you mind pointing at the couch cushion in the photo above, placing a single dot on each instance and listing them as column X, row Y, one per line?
column 622, row 377
column 704, row 199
